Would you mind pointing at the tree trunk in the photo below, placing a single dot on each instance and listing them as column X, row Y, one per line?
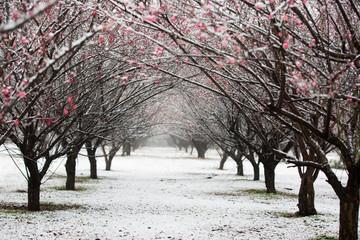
column 256, row 172
column 306, row 198
column 201, row 148
column 240, row 169
column 269, row 172
column 255, row 166
column 91, row 155
column 70, row 167
column 127, row 149
column 34, row 182
column 34, row 193
column 201, row 153
column 349, row 213
column 225, row 156
column 93, row 166
column 108, row 165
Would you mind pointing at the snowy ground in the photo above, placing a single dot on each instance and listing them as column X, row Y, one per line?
column 161, row 193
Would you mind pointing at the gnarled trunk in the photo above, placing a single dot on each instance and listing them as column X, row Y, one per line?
column 269, row 163
column 306, row 197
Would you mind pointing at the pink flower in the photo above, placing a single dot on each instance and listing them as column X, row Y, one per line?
column 142, row 6
column 22, row 94
column 17, row 121
column 71, row 80
column 285, row 46
column 74, row 106
column 24, row 41
column 69, row 99
column 259, row 5
column 65, row 111
column 151, row 18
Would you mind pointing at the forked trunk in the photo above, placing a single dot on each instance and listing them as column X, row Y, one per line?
column 306, row 197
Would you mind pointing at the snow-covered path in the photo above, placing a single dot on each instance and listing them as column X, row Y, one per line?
column 161, row 193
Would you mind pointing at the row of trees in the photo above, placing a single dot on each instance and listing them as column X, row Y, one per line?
column 289, row 69
column 66, row 84
column 273, row 76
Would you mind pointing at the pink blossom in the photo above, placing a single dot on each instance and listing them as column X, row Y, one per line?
column 259, row 5
column 74, row 106
column 71, row 80
column 24, row 41
column 16, row 122
column 65, row 111
column 69, row 99
column 142, row 6
column 231, row 60
column 22, row 94
column 285, row 46
column 150, row 18
column 16, row 15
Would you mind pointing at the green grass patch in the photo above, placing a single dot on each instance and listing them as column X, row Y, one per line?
column 257, row 193
column 324, row 237
column 263, row 193
column 15, row 208
column 63, row 188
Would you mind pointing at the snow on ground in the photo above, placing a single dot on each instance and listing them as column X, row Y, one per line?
column 162, row 193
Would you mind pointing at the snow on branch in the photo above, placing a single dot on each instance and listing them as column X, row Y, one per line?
column 4, row 28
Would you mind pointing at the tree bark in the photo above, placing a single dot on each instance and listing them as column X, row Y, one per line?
column 93, row 166
column 91, row 155
column 240, row 169
column 201, row 148
column 34, row 193
column 34, row 180
column 239, row 166
column 349, row 214
column 306, row 197
column 126, row 149
column 70, row 167
column 269, row 172
column 224, row 157
column 255, row 166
